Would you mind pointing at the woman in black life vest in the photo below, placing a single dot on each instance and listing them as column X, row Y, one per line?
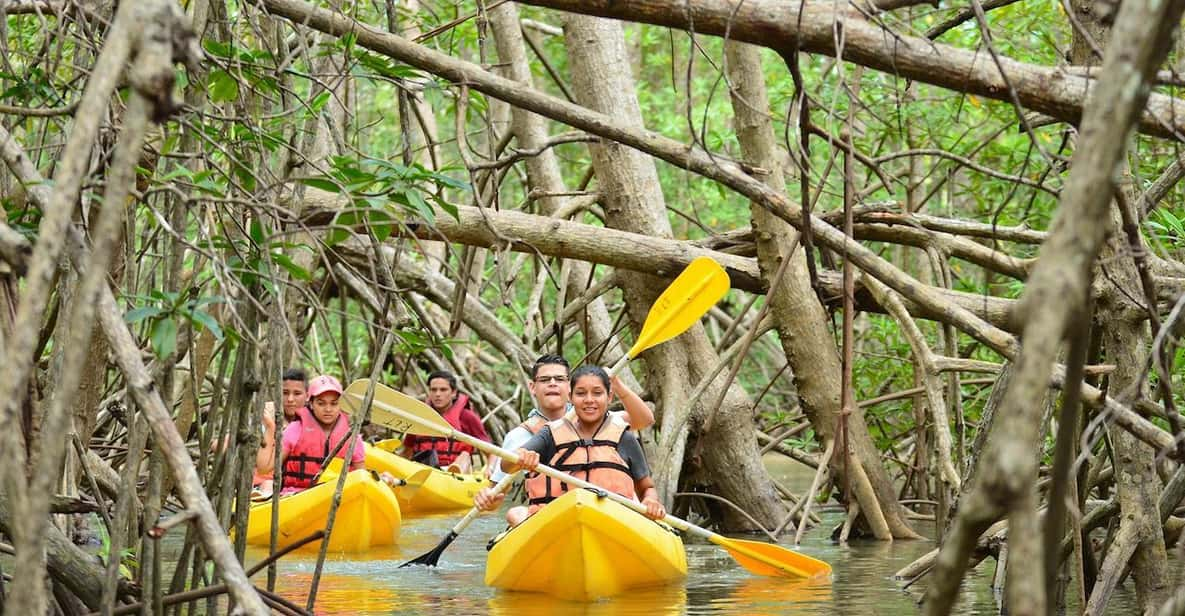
column 590, row 444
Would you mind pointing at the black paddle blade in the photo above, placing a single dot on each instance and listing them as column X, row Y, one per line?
column 430, row 558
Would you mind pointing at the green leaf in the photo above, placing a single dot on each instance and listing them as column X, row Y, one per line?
column 293, row 269
column 256, row 232
column 164, row 337
column 342, row 228
column 218, row 48
column 143, row 312
column 245, row 175
column 222, row 87
column 206, row 301
column 318, row 102
column 207, row 321
column 322, row 183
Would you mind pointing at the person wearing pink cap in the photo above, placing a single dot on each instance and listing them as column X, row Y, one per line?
column 321, row 426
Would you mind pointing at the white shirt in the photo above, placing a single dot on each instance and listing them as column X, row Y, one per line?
column 514, row 439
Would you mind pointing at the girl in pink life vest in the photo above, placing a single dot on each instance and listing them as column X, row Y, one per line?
column 321, row 426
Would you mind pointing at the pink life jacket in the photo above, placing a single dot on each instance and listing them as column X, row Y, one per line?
column 303, row 463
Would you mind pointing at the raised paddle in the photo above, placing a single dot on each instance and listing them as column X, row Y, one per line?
column 430, row 558
column 689, row 296
column 757, row 557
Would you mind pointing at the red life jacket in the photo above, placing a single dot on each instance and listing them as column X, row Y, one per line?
column 595, row 460
column 304, row 462
column 446, row 449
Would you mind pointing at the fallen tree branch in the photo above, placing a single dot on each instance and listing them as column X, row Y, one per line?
column 635, row 252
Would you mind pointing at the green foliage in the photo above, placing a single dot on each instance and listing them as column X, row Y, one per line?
column 382, row 193
column 1167, row 227
column 129, row 563
column 163, row 309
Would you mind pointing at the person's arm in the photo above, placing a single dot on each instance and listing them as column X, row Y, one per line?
column 630, row 450
column 654, row 508
column 487, row 499
column 265, row 458
column 540, row 447
column 639, row 413
column 358, row 460
column 409, row 441
column 289, row 440
column 514, row 439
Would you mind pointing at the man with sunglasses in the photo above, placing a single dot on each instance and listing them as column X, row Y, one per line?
column 550, row 387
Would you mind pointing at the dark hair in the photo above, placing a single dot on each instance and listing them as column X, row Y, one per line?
column 443, row 374
column 550, row 358
column 295, row 374
column 588, row 370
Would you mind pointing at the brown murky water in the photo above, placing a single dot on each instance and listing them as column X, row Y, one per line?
column 861, row 583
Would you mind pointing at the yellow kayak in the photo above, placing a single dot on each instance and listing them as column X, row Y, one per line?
column 581, row 548
column 438, row 492
column 367, row 517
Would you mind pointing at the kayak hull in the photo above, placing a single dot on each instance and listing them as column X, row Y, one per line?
column 438, row 492
column 367, row 517
column 582, row 547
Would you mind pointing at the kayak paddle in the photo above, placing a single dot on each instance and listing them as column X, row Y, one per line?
column 430, row 558
column 356, row 392
column 757, row 557
column 690, row 295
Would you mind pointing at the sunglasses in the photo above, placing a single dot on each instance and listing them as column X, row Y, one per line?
column 558, row 378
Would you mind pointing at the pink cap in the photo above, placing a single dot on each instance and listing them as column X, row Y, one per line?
column 323, row 384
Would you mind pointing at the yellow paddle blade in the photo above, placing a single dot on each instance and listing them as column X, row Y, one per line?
column 390, row 445
column 771, row 559
column 387, row 401
column 414, row 482
column 331, row 471
column 702, row 284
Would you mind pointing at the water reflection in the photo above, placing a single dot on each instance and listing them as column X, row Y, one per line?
column 667, row 600
column 339, row 594
column 769, row 596
column 372, row 584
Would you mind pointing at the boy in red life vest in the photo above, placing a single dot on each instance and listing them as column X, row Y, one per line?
column 320, row 427
column 551, row 388
column 294, row 387
column 457, row 410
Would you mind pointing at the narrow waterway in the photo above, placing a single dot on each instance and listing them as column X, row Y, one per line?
column 862, row 581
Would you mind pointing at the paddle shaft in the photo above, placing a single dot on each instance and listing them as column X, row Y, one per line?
column 510, row 456
column 499, row 488
column 619, row 365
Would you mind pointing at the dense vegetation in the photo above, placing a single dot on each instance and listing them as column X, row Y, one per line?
column 307, row 194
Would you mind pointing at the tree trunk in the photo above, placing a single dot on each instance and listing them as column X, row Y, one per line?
column 802, row 323
column 1057, row 287
column 544, row 177
column 1126, row 339
column 633, row 201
